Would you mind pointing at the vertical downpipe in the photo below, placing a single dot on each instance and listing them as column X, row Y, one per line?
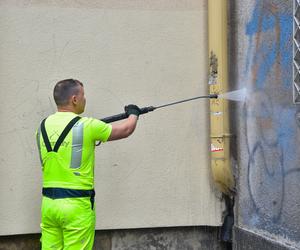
column 218, row 84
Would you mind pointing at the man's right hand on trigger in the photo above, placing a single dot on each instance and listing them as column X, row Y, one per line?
column 132, row 109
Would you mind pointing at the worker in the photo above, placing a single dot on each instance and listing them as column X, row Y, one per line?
column 66, row 144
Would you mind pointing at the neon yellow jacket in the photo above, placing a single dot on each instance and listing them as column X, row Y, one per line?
column 72, row 166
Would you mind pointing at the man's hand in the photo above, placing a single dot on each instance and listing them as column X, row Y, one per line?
column 132, row 109
column 125, row 128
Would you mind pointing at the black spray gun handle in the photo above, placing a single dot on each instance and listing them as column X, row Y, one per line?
column 123, row 116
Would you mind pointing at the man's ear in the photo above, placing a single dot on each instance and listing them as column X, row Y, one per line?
column 74, row 99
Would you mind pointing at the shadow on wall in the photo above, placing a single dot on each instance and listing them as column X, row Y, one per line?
column 272, row 124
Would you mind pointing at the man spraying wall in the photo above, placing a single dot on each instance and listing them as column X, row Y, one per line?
column 66, row 144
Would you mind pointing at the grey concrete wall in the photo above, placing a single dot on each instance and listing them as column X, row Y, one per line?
column 246, row 240
column 266, row 125
column 181, row 238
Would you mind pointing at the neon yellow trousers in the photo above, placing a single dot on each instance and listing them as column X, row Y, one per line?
column 67, row 224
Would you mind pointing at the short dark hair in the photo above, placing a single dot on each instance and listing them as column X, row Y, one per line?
column 64, row 89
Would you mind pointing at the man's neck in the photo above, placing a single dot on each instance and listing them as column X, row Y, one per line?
column 65, row 109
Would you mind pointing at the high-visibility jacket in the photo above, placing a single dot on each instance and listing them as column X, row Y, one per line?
column 71, row 164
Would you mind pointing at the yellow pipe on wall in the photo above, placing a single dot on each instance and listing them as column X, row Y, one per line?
column 218, row 83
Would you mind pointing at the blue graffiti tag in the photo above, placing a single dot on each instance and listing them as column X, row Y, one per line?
column 261, row 22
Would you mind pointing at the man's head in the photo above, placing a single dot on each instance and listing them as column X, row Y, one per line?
column 69, row 96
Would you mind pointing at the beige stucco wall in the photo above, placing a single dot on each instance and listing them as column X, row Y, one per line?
column 141, row 52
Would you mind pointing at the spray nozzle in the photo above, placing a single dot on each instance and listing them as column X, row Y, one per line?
column 213, row 96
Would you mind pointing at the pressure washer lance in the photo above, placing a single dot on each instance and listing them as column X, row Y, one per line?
column 151, row 108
